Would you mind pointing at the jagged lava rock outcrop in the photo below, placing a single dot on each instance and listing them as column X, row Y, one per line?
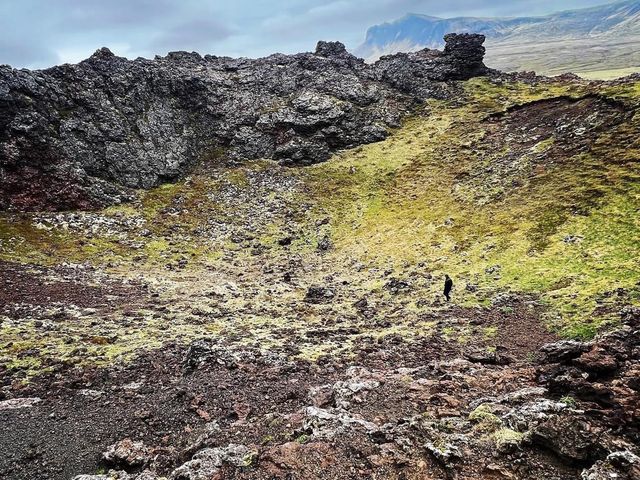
column 80, row 136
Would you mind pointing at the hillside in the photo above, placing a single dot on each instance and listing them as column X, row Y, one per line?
column 595, row 42
column 255, row 318
column 83, row 136
column 526, row 194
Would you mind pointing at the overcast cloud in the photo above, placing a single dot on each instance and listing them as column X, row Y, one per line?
column 41, row 33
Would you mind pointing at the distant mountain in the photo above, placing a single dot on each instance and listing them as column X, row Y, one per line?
column 597, row 39
column 422, row 31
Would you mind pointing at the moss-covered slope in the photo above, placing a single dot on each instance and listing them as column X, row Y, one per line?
column 520, row 188
column 515, row 190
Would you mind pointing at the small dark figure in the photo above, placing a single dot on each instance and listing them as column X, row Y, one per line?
column 448, row 285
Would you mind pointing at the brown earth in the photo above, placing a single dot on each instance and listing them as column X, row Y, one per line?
column 260, row 399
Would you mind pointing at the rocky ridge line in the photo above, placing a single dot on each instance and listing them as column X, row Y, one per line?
column 81, row 136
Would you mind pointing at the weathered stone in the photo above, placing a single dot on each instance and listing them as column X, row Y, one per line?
column 120, row 475
column 562, row 351
column 329, row 423
column 317, row 294
column 321, row 396
column 485, row 357
column 331, row 49
column 622, row 465
column 206, row 464
column 15, row 403
column 570, row 437
column 597, row 360
column 127, row 453
column 397, row 285
column 324, row 244
column 205, row 351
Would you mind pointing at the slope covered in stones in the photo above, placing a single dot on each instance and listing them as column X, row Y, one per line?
column 513, row 189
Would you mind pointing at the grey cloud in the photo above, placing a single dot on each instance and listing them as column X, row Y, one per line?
column 22, row 54
column 38, row 32
column 90, row 14
column 192, row 35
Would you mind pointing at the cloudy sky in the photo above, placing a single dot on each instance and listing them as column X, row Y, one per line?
column 41, row 33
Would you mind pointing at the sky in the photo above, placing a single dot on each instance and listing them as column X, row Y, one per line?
column 42, row 33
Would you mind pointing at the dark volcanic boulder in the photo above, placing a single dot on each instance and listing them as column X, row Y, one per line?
column 562, row 351
column 571, row 438
column 418, row 73
column 621, row 465
column 601, row 379
column 317, row 294
column 331, row 49
column 81, row 136
column 596, row 361
column 464, row 54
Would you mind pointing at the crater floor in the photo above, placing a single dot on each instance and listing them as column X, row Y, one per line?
column 260, row 321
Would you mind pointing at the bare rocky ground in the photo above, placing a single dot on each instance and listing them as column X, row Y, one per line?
column 434, row 406
column 342, row 416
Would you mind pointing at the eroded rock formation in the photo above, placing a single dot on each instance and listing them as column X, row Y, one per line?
column 80, row 136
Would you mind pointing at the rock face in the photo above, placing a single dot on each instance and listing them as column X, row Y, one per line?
column 603, row 376
column 461, row 59
column 80, row 136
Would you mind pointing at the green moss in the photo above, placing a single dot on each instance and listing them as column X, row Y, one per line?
column 302, row 439
column 237, row 177
column 569, row 401
column 489, row 332
column 544, row 145
column 401, row 201
column 21, row 240
column 623, row 91
column 481, row 413
column 505, row 437
column 448, row 332
column 249, row 459
column 484, row 419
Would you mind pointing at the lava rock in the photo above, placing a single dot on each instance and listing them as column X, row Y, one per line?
column 16, row 403
column 597, row 360
column 318, row 294
column 86, row 135
column 396, row 285
column 622, row 465
column 127, row 454
column 283, row 242
column 204, row 351
column 570, row 437
column 324, row 244
column 485, row 357
column 562, row 351
column 331, row 49
column 207, row 463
